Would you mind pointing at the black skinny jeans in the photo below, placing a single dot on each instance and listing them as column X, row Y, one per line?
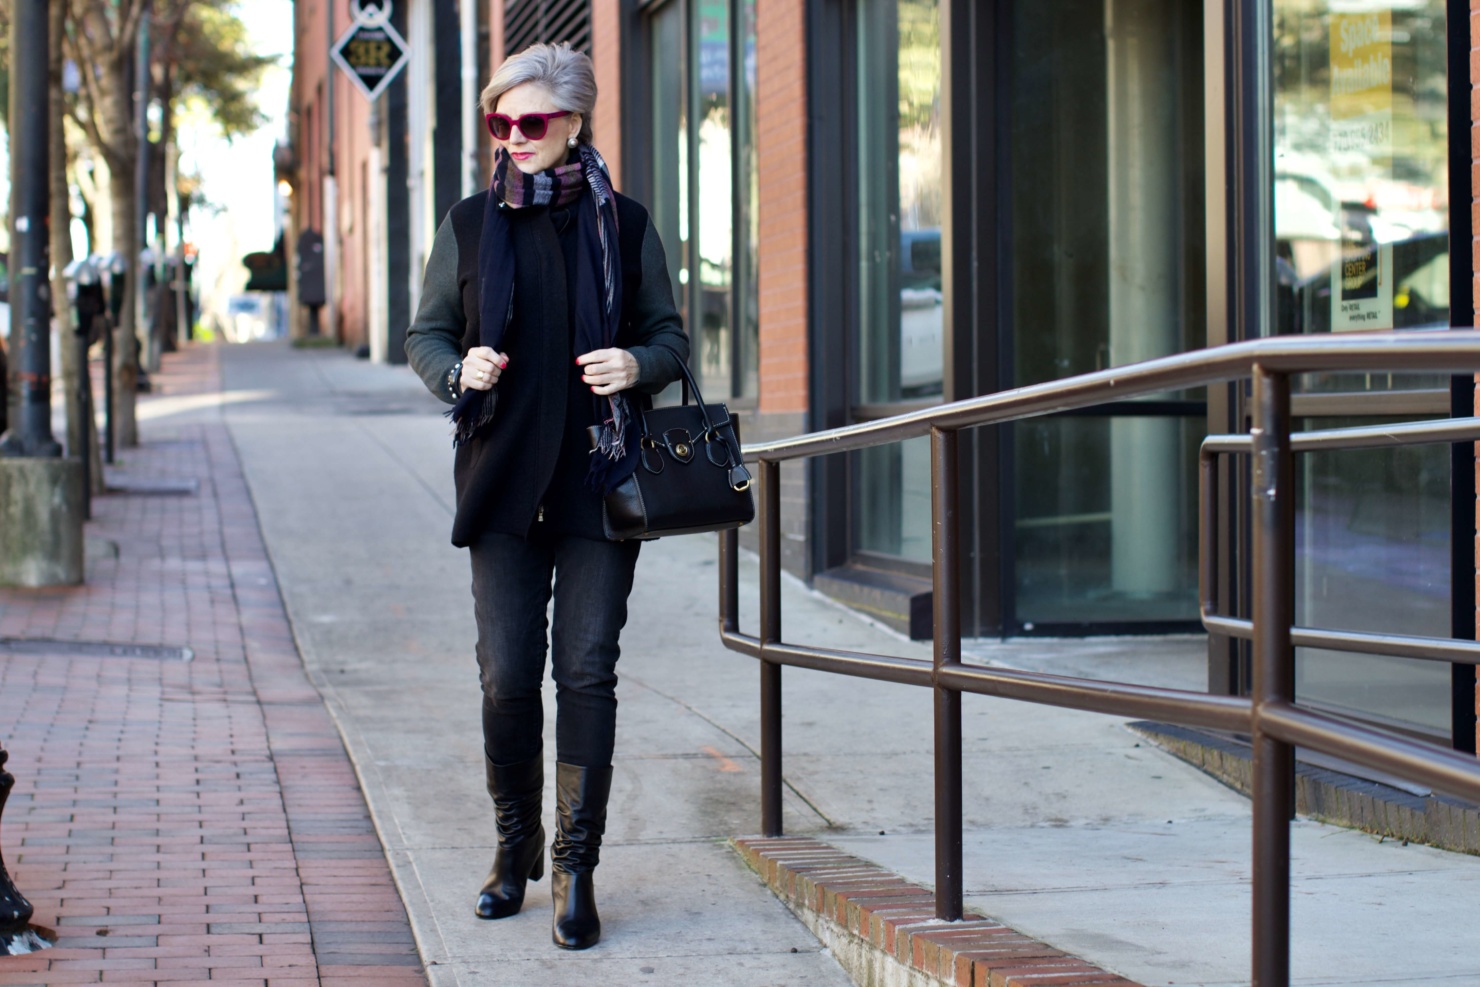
column 511, row 591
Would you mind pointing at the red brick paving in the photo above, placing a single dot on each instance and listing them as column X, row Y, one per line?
column 186, row 822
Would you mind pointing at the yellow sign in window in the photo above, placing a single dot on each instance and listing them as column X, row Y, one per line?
column 1362, row 83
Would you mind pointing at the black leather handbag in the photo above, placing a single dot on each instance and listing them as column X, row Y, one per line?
column 689, row 475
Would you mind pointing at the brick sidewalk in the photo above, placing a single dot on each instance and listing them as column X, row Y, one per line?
column 184, row 821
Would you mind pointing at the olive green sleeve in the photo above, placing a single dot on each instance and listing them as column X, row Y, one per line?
column 662, row 345
column 434, row 339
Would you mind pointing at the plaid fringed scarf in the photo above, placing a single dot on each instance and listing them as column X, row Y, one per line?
column 596, row 287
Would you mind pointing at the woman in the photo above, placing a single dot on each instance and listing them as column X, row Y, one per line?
column 546, row 315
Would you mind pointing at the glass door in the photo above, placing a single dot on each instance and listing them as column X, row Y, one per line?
column 1105, row 269
column 1361, row 212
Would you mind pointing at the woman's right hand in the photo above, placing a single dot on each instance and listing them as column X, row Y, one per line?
column 481, row 368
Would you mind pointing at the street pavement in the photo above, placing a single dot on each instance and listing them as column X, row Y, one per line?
column 1078, row 832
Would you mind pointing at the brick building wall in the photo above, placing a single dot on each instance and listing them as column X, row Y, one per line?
column 781, row 152
column 351, row 142
column 606, row 60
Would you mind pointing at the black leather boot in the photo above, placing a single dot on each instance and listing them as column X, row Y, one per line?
column 580, row 819
column 516, row 791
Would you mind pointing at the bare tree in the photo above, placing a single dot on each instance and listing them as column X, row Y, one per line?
column 102, row 42
column 81, row 428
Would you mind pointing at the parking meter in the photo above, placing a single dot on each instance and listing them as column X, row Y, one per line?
column 117, row 267
column 117, row 270
column 85, row 290
column 88, row 297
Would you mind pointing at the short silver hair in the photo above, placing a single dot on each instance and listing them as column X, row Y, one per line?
column 565, row 72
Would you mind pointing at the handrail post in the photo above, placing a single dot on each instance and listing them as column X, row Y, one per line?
column 770, row 633
column 1273, row 525
column 946, row 613
column 729, row 580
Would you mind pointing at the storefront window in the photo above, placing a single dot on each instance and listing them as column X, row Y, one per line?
column 901, row 313
column 900, row 179
column 669, row 205
column 1372, row 547
column 713, row 198
column 747, row 222
column 1362, row 243
column 703, row 180
column 1361, row 168
column 1107, row 269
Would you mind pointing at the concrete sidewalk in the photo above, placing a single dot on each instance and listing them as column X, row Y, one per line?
column 1078, row 833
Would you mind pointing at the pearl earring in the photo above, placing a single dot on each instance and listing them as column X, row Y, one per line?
column 572, row 143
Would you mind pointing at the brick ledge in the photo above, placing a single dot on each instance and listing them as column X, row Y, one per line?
column 883, row 930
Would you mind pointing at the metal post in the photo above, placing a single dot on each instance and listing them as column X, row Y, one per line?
column 729, row 585
column 118, row 267
column 946, row 607
column 770, row 633
column 1274, row 673
column 15, row 910
column 30, row 207
column 84, row 412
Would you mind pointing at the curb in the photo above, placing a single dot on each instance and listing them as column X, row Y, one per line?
column 884, row 932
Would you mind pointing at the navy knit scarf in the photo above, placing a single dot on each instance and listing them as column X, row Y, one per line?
column 596, row 292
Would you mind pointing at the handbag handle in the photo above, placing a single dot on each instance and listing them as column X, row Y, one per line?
column 690, row 385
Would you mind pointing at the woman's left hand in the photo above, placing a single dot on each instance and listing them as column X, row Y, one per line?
column 608, row 371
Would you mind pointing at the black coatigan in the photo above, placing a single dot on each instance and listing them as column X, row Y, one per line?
column 528, row 466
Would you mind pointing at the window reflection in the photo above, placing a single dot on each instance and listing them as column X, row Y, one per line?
column 901, row 311
column 1361, row 166
column 747, row 267
column 1372, row 536
column 711, row 327
column 669, row 148
column 703, row 180
column 1361, row 223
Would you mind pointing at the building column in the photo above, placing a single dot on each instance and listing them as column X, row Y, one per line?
column 1144, row 305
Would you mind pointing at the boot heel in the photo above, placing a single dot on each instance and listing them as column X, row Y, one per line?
column 537, row 869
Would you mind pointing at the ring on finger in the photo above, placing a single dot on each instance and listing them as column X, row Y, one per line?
column 482, row 375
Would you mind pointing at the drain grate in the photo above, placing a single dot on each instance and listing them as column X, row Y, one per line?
column 153, row 487
column 92, row 649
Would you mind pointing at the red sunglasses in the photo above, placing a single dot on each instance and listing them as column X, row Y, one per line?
column 531, row 125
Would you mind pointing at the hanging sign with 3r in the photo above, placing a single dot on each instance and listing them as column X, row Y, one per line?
column 371, row 53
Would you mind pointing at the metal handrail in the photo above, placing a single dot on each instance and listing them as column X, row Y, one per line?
column 1216, row 365
column 1270, row 715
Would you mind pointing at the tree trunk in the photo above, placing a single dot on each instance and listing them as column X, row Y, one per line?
column 81, row 427
column 119, row 115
